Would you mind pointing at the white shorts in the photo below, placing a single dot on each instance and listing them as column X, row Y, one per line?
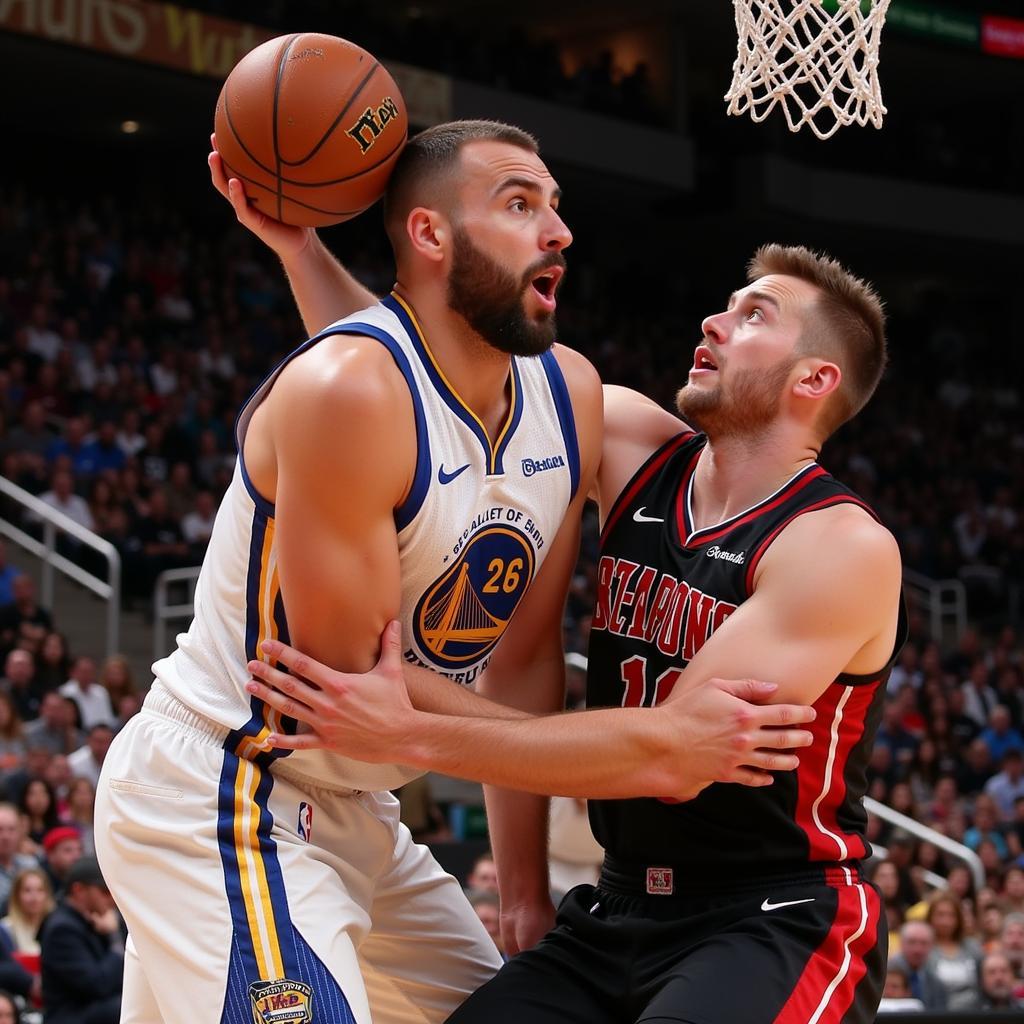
column 252, row 898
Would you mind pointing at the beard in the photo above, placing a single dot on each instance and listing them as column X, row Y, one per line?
column 752, row 402
column 490, row 299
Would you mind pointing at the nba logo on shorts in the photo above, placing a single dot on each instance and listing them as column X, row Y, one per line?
column 306, row 821
column 659, row 881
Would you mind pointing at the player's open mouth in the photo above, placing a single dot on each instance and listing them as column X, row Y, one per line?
column 703, row 360
column 545, row 285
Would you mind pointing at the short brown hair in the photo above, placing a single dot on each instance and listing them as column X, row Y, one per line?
column 430, row 156
column 850, row 329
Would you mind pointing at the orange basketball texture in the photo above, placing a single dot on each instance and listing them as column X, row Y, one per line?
column 313, row 125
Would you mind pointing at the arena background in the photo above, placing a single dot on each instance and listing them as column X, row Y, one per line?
column 111, row 238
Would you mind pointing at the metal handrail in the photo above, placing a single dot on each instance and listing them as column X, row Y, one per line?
column 950, row 846
column 46, row 550
column 164, row 612
column 943, row 597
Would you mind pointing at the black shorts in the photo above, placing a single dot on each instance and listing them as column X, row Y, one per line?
column 799, row 949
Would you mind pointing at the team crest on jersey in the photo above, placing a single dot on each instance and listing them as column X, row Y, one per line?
column 463, row 614
column 306, row 821
column 659, row 881
column 281, row 1002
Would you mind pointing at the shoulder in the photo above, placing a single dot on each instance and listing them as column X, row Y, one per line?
column 844, row 534
column 581, row 379
column 632, row 416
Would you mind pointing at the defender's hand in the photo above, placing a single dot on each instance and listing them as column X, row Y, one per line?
column 286, row 240
column 726, row 738
column 364, row 716
column 524, row 925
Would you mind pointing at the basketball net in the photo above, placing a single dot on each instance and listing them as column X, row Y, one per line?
column 817, row 59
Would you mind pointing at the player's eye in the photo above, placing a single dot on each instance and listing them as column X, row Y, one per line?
column 755, row 314
column 519, row 205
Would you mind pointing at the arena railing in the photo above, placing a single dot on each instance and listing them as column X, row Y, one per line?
column 54, row 523
column 165, row 611
column 940, row 599
column 923, row 832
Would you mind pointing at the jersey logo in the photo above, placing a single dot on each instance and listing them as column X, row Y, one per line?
column 447, row 478
column 306, row 821
column 531, row 466
column 768, row 905
column 659, row 881
column 281, row 1002
column 736, row 557
column 639, row 517
column 462, row 615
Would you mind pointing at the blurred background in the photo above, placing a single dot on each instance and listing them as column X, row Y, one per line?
column 136, row 317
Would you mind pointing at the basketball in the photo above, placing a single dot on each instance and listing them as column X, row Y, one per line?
column 312, row 125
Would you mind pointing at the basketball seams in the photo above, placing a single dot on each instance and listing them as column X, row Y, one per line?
column 232, row 173
column 281, row 61
column 334, row 124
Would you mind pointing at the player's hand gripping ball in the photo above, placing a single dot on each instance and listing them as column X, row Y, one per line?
column 312, row 125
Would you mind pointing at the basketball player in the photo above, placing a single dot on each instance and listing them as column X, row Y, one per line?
column 379, row 475
column 727, row 552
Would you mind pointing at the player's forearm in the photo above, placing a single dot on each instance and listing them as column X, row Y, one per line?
column 440, row 696
column 518, row 827
column 323, row 289
column 613, row 753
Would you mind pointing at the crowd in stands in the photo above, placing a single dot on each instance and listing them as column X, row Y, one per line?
column 129, row 339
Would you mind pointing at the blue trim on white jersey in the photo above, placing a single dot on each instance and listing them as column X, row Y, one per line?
column 517, row 415
column 406, row 512
column 563, row 406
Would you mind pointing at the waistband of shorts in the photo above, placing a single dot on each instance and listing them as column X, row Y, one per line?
column 690, row 880
column 160, row 701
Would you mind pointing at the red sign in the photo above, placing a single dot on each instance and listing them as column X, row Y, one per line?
column 1003, row 37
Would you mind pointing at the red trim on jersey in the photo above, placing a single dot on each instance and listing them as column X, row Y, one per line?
column 829, row 980
column 710, row 533
column 640, row 480
column 837, row 499
column 821, row 774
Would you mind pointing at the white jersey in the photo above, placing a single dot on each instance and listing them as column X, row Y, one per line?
column 472, row 535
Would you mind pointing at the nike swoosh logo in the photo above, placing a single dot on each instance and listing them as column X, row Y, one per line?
column 639, row 517
column 447, row 478
column 768, row 905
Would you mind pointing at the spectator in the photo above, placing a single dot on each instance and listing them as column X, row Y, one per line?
column 986, row 827
column 197, row 525
column 38, row 806
column 30, row 901
column 979, row 698
column 9, row 1012
column 955, row 956
column 19, row 685
column 886, row 879
column 896, row 997
column 53, row 663
column 12, row 740
column 87, row 761
column 62, row 847
column 1007, row 786
column 998, row 983
column 917, row 942
column 1000, row 736
column 11, row 862
column 1013, row 890
column 92, row 699
column 484, row 875
column 977, row 768
column 55, row 729
column 23, row 622
column 574, row 855
column 81, row 968
column 81, row 806
column 1012, row 941
column 163, row 546
column 117, row 679
column 487, row 908
column 102, row 453
column 8, row 574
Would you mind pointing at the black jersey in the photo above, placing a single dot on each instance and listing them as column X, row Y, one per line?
column 663, row 589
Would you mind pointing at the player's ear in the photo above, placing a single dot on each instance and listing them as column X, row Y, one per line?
column 428, row 232
column 817, row 379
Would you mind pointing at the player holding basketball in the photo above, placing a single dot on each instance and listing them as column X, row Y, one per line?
column 728, row 552
column 379, row 475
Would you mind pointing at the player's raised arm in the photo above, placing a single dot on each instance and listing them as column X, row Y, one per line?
column 324, row 290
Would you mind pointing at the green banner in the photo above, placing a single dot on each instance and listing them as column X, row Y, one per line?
column 925, row 19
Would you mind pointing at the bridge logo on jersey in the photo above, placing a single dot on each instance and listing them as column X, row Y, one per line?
column 640, row 602
column 281, row 1002
column 463, row 614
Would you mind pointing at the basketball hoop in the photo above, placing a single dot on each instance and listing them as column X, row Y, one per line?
column 818, row 59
